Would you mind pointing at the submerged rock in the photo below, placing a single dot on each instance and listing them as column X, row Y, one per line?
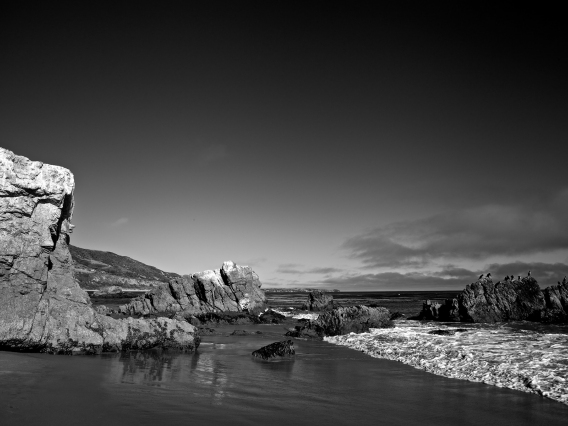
column 244, row 333
column 352, row 319
column 318, row 301
column 42, row 307
column 232, row 288
column 274, row 350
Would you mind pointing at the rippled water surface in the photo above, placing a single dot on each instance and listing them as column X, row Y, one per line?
column 323, row 384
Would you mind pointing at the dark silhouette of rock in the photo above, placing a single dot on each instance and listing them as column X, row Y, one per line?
column 218, row 318
column 396, row 315
column 318, row 301
column 276, row 350
column 232, row 288
column 351, row 319
column 42, row 308
column 271, row 317
column 513, row 300
column 448, row 332
column 556, row 300
column 244, row 333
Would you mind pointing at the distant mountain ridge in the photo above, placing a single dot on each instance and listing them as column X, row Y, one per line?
column 95, row 269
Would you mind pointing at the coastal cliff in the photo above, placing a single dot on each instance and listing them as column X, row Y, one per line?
column 514, row 300
column 42, row 307
column 231, row 288
column 95, row 269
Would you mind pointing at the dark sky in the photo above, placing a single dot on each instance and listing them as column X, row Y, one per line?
column 323, row 143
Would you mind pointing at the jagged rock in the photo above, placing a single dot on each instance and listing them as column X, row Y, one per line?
column 515, row 300
column 271, row 317
column 220, row 318
column 102, row 309
column 274, row 350
column 42, row 308
column 232, row 288
column 318, row 301
column 352, row 319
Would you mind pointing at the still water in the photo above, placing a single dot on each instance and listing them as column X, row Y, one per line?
column 223, row 384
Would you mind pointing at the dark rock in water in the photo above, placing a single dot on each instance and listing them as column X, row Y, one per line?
column 512, row 300
column 42, row 307
column 303, row 332
column 318, row 301
column 232, row 288
column 206, row 331
column 396, row 315
column 277, row 349
column 244, row 333
column 218, row 318
column 271, row 317
column 352, row 319
column 448, row 332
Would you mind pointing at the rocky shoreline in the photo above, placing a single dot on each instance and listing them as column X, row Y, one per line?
column 512, row 300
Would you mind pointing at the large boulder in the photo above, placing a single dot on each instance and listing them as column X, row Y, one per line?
column 232, row 288
column 514, row 300
column 276, row 350
column 42, row 308
column 339, row 321
column 318, row 301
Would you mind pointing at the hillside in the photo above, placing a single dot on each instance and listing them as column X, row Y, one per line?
column 96, row 269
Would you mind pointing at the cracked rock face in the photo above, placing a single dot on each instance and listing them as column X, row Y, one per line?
column 232, row 288
column 42, row 307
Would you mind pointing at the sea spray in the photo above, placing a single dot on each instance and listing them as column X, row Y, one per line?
column 500, row 355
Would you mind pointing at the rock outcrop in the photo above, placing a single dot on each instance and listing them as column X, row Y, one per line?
column 232, row 288
column 352, row 319
column 515, row 300
column 42, row 308
column 318, row 301
column 276, row 350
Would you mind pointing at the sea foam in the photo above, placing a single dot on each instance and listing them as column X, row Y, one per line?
column 500, row 355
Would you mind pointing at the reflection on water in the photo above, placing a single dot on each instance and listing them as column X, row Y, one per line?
column 223, row 384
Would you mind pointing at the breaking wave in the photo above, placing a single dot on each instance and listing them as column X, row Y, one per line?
column 505, row 355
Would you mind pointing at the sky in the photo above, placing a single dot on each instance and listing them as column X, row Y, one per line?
column 326, row 144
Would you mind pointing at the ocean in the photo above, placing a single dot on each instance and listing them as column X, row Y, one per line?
column 356, row 379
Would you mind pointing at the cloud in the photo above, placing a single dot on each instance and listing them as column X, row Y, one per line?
column 212, row 153
column 328, row 270
column 475, row 233
column 447, row 278
column 120, row 222
column 296, row 268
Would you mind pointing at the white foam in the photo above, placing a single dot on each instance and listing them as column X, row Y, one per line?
column 310, row 316
column 524, row 360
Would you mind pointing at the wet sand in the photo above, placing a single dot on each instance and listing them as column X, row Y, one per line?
column 223, row 384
